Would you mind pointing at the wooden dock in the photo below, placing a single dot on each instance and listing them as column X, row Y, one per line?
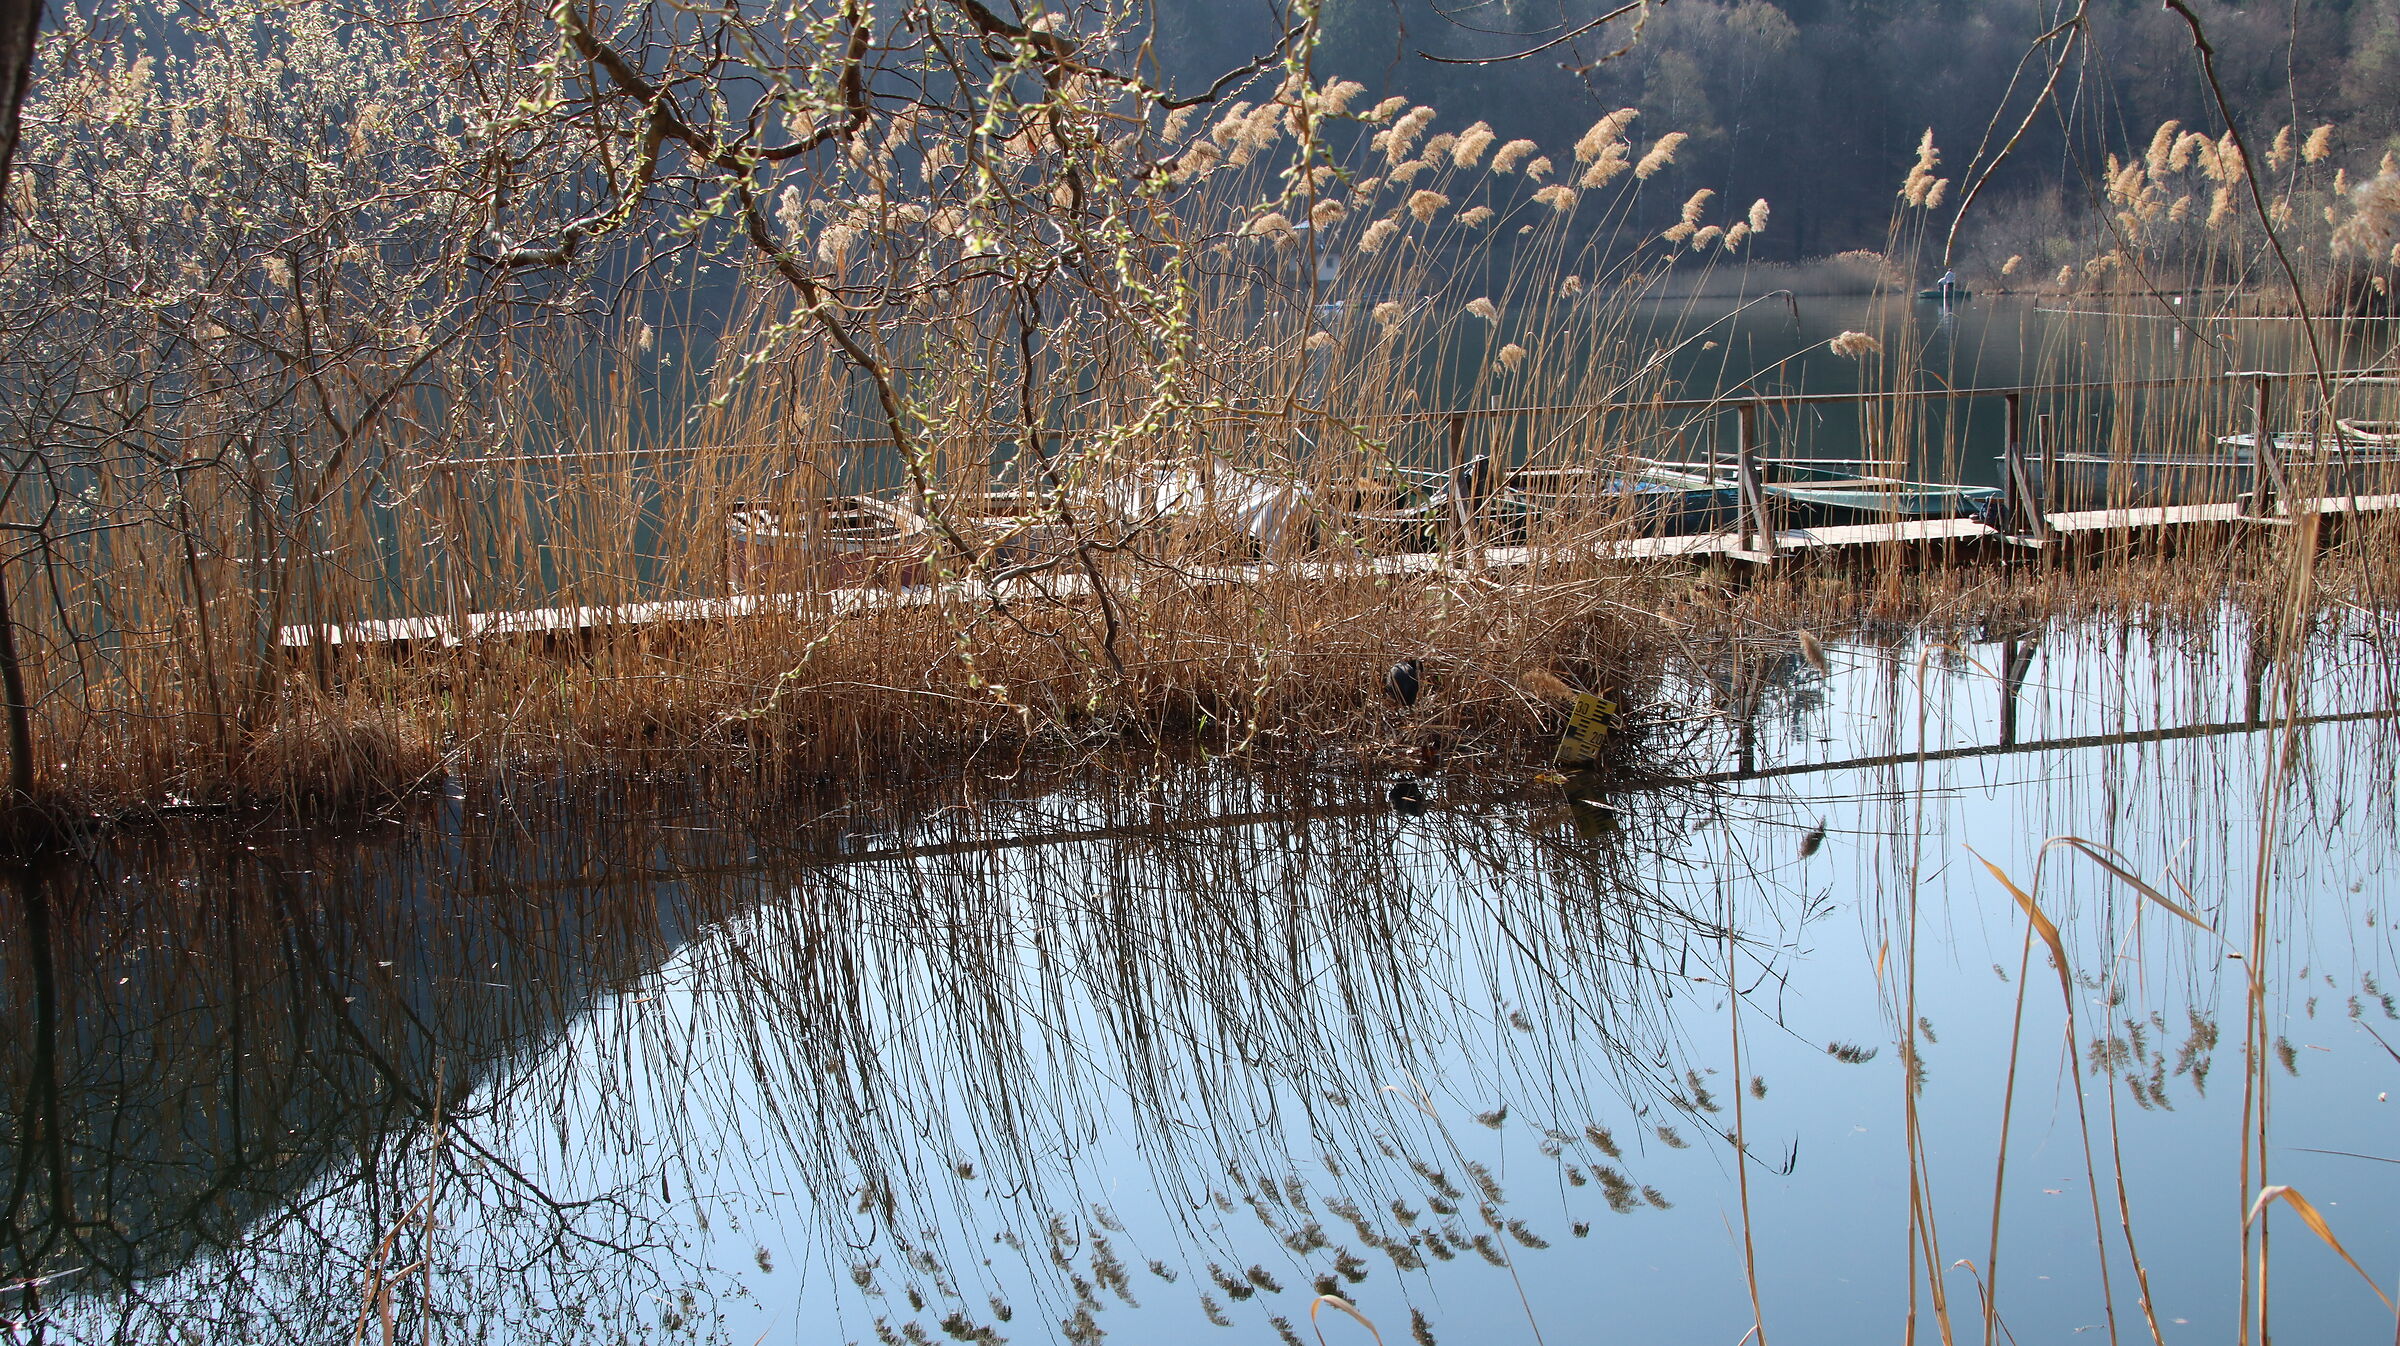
column 2154, row 526
column 2025, row 524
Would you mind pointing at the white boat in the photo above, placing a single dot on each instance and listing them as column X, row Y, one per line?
column 2357, row 457
column 1247, row 509
column 2361, row 439
column 1832, row 491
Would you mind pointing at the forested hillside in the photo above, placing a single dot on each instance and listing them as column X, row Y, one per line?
column 1818, row 105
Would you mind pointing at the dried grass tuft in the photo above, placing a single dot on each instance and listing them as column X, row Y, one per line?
column 1546, row 685
column 335, row 753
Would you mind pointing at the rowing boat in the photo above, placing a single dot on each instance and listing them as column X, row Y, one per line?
column 2357, row 458
column 1844, row 497
column 1823, row 492
column 853, row 541
column 1655, row 503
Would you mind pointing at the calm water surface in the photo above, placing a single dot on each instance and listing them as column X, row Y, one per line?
column 1163, row 1061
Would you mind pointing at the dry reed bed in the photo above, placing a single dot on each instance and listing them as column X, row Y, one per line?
column 1473, row 273
column 1281, row 670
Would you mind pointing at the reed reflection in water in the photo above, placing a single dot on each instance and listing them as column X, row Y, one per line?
column 1186, row 1047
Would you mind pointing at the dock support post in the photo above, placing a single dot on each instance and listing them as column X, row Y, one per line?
column 457, row 565
column 2016, row 654
column 2267, row 484
column 1753, row 487
column 2045, row 450
column 2022, row 512
column 2014, row 507
column 1463, row 494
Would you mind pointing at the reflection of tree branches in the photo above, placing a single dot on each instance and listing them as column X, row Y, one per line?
column 310, row 1126
column 1575, row 33
column 1221, row 1002
column 919, row 1042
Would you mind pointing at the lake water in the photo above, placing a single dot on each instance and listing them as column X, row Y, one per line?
column 1163, row 1055
column 656, row 531
column 1732, row 346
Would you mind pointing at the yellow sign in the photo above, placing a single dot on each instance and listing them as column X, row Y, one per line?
column 1588, row 726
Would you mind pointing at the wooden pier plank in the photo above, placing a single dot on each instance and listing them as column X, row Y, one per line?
column 576, row 620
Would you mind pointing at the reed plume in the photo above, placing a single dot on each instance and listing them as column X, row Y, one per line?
column 1512, row 154
column 2159, row 158
column 1607, row 131
column 1919, row 183
column 1855, row 345
column 1611, row 163
column 1662, row 154
column 1472, row 142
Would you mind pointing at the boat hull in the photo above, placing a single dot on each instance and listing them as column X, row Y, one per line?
column 855, row 543
column 1650, row 504
column 1800, row 496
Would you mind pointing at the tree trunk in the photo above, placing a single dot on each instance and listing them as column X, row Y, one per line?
column 20, row 21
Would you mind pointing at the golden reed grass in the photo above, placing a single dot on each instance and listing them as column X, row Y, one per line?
column 196, row 654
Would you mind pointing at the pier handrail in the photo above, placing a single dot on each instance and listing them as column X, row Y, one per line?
column 1296, row 412
column 1728, row 401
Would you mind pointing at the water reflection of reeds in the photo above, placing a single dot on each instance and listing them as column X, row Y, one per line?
column 284, row 1043
column 1010, row 1063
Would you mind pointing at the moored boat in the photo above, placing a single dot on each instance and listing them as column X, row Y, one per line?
column 848, row 542
column 2357, row 458
column 1832, row 495
column 1657, row 502
column 1822, row 493
column 1006, row 527
column 1243, row 511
